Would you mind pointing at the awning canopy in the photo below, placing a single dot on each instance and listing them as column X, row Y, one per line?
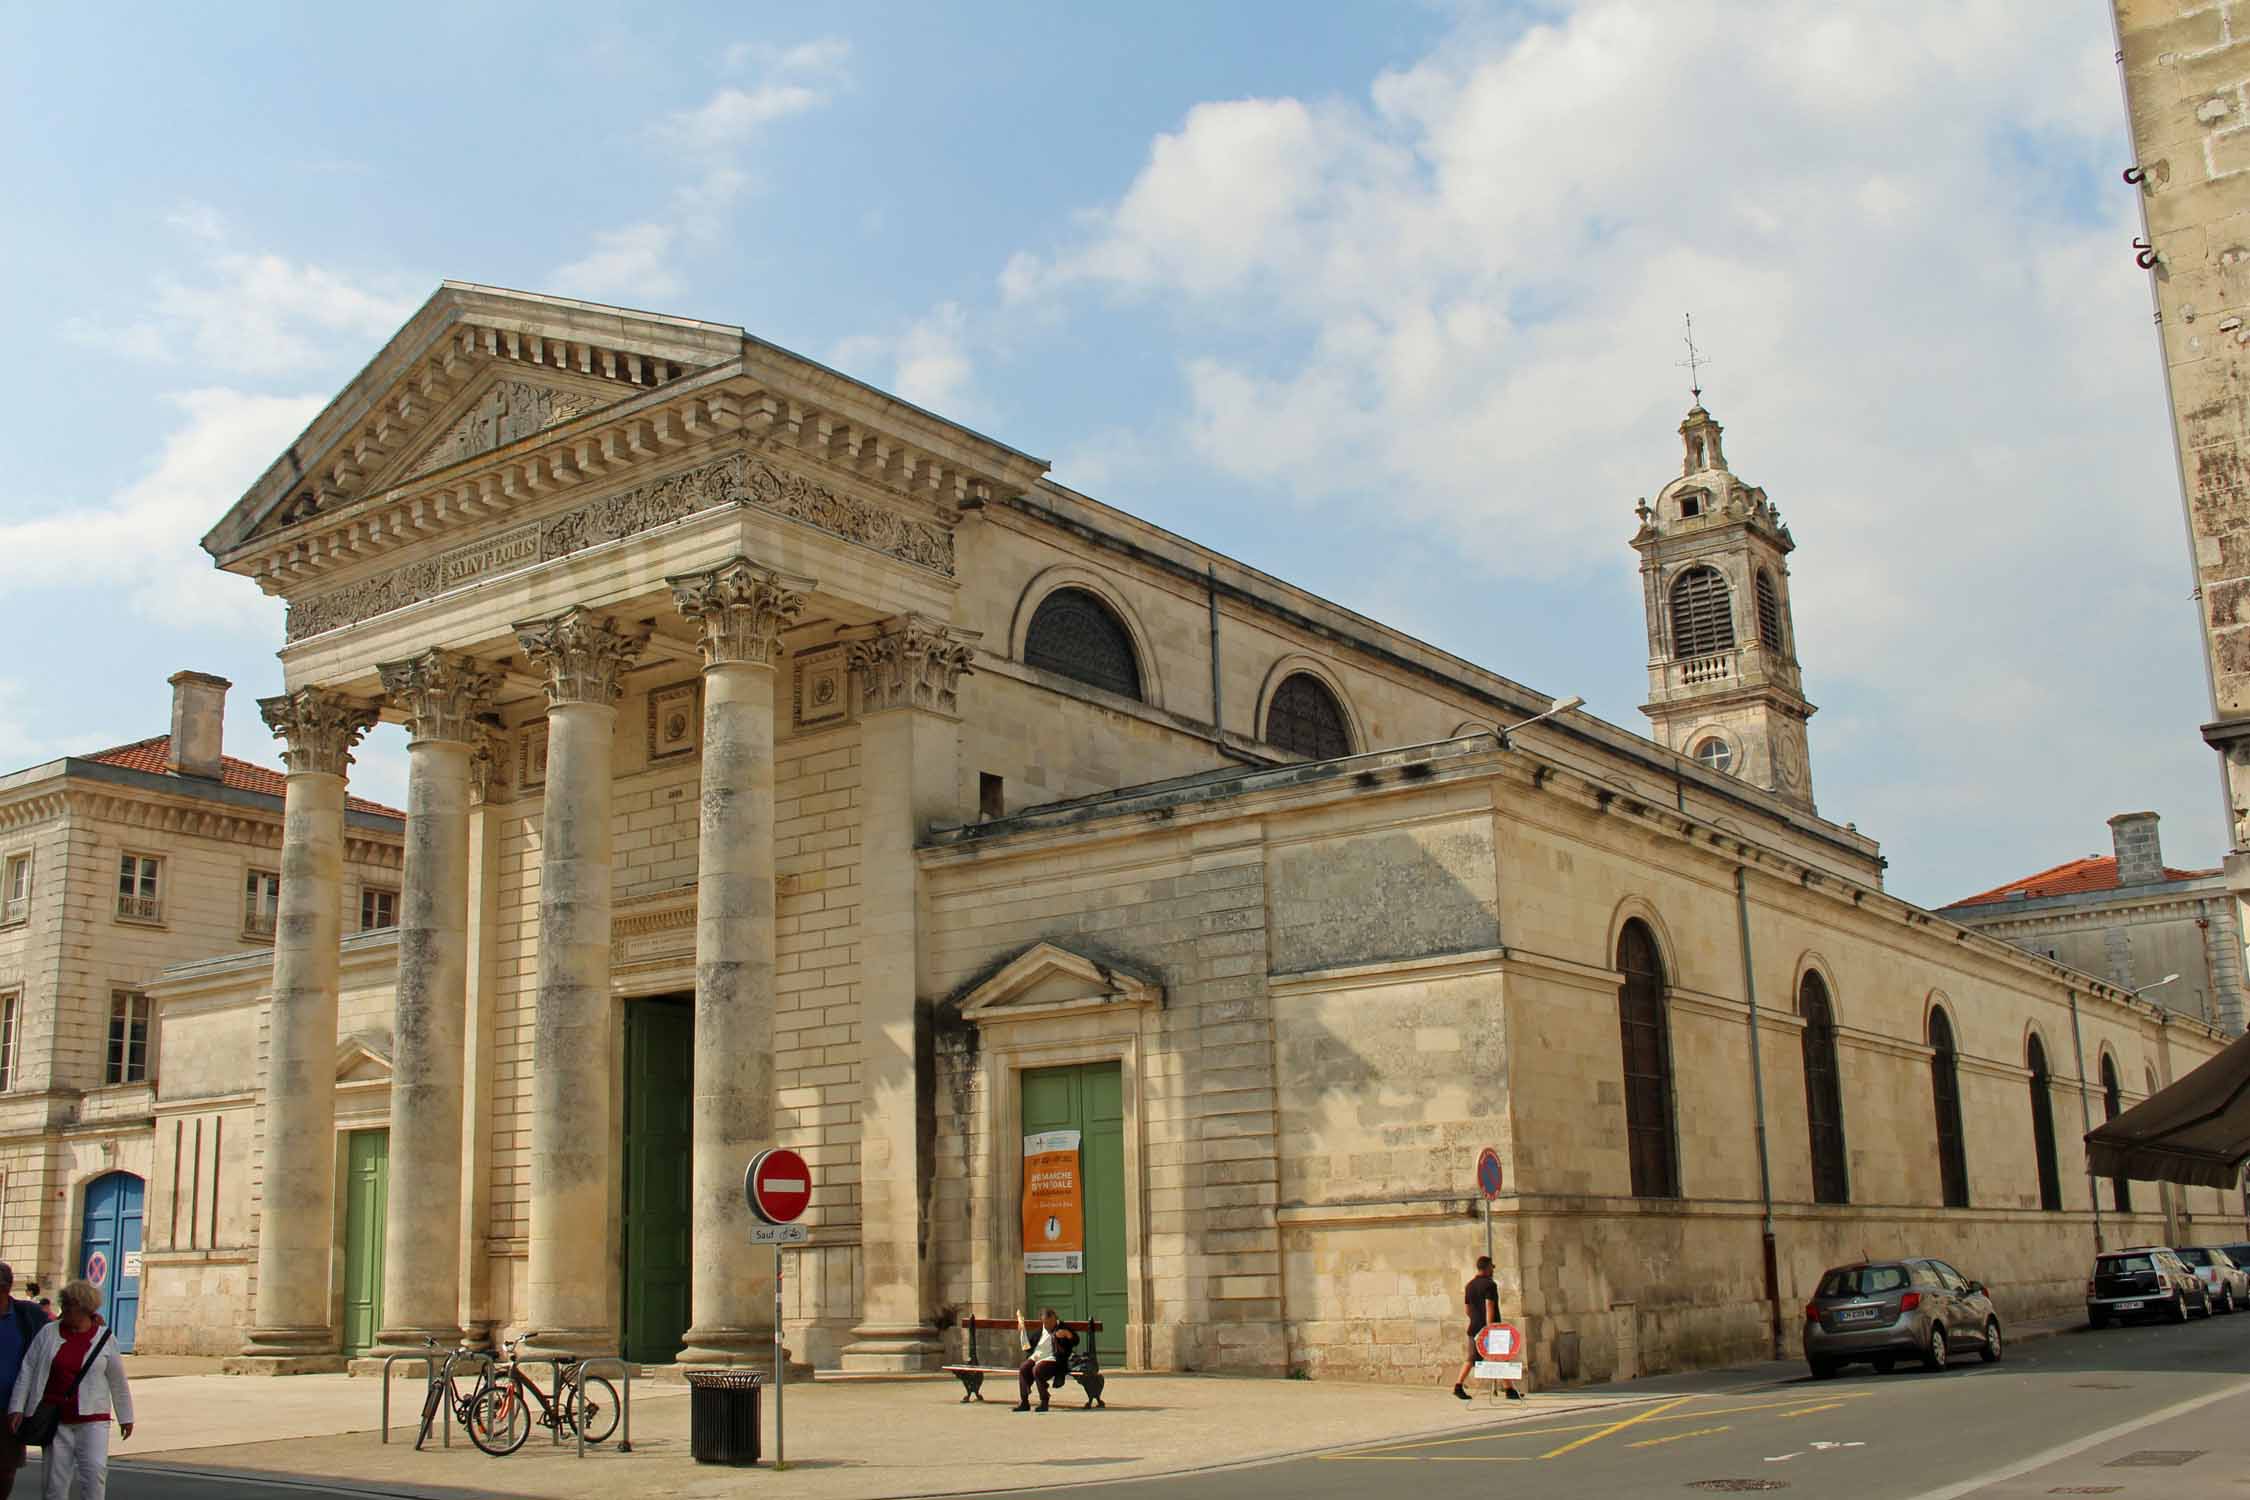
column 2196, row 1131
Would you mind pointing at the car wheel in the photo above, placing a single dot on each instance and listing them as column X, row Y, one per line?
column 1884, row 1364
column 2226, row 1301
column 1823, row 1369
column 2179, row 1307
column 1933, row 1353
column 2204, row 1304
column 1991, row 1350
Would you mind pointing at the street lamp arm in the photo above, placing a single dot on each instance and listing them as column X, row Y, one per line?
column 1560, row 706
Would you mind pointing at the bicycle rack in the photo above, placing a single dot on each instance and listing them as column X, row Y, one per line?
column 625, row 1410
column 482, row 1357
column 554, row 1364
column 429, row 1373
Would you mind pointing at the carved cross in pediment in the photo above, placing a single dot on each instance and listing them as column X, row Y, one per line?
column 511, row 410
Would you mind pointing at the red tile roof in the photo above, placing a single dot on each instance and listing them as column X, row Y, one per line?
column 2093, row 873
column 149, row 755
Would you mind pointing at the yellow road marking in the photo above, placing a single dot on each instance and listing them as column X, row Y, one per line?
column 1677, row 1436
column 1806, row 1411
column 1634, row 1420
column 1406, row 1450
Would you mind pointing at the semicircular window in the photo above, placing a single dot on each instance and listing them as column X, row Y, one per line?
column 1702, row 613
column 1306, row 718
column 1075, row 634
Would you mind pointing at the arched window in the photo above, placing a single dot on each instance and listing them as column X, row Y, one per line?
column 1824, row 1095
column 1304, row 716
column 1945, row 1090
column 1075, row 634
column 2113, row 1104
column 1769, row 611
column 1649, row 1140
column 1702, row 613
column 2043, row 1126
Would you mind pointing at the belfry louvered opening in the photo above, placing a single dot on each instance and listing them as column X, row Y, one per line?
column 1769, row 611
column 1702, row 613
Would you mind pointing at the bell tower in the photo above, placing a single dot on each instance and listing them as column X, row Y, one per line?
column 1723, row 683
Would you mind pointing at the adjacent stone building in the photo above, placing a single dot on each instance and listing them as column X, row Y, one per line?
column 2129, row 917
column 792, row 765
column 113, row 867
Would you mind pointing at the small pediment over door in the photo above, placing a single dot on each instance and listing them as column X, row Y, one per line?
column 357, row 1061
column 1046, row 980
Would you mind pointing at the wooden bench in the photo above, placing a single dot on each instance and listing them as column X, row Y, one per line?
column 971, row 1373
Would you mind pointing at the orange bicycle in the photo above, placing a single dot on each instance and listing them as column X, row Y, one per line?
column 500, row 1421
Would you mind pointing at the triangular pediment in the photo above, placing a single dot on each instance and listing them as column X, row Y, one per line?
column 1048, row 980
column 477, row 368
column 357, row 1061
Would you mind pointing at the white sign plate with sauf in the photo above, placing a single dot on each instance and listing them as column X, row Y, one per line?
column 779, row 1234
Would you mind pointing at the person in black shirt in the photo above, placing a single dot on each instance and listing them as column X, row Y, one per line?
column 1481, row 1297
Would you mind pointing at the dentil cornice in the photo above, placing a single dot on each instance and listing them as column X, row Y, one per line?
column 583, row 655
column 740, row 609
column 319, row 727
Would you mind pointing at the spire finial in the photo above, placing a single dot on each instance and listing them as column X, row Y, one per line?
column 1694, row 362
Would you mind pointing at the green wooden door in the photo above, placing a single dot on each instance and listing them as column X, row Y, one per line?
column 659, row 1150
column 367, row 1180
column 1090, row 1100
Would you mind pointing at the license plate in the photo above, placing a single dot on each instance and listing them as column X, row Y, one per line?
column 2131, row 1306
column 1859, row 1315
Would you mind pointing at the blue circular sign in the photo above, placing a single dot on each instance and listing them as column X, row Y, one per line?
column 1488, row 1172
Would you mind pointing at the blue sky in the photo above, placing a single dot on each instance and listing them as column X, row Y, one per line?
column 1384, row 300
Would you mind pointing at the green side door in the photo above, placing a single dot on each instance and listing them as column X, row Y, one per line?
column 659, row 1152
column 1089, row 1099
column 367, row 1181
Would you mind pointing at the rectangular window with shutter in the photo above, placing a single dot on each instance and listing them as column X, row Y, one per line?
column 139, row 888
column 128, row 1037
column 15, row 889
column 11, row 1022
column 261, row 903
column 377, row 908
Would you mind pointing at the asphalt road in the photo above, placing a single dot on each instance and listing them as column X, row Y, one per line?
column 1976, row 1429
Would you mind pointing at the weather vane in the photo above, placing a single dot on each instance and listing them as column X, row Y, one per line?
column 1694, row 362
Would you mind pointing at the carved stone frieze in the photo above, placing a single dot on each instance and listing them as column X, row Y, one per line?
column 741, row 610
column 582, row 655
column 440, row 692
column 510, row 410
column 736, row 479
column 915, row 662
column 318, row 727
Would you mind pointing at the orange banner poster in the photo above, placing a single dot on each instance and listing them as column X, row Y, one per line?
column 1054, row 1205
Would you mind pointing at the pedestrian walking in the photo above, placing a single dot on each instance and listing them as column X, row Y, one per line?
column 73, row 1367
column 1482, row 1299
column 1045, row 1360
column 20, row 1323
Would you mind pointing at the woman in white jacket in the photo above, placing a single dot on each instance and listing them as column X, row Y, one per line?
column 51, row 1370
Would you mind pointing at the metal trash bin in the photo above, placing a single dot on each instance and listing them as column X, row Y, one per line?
column 723, row 1416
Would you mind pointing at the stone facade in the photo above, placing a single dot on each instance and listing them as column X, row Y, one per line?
column 897, row 773
column 77, row 1100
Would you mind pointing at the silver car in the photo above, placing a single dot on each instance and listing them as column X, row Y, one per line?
column 1880, row 1312
column 2226, row 1286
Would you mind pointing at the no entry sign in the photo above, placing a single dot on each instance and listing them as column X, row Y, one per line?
column 1499, row 1341
column 1488, row 1173
column 778, row 1185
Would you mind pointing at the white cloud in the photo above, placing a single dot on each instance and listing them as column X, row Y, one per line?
column 826, row 54
column 632, row 263
column 1898, row 232
column 142, row 540
column 732, row 116
column 927, row 362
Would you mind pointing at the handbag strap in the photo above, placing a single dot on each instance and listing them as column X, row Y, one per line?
column 91, row 1355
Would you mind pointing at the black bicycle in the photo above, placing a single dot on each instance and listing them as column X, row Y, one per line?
column 501, row 1414
column 444, row 1388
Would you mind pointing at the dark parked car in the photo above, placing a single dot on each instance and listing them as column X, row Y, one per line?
column 2225, row 1284
column 1880, row 1312
column 2148, row 1281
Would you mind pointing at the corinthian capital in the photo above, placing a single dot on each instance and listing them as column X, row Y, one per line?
column 912, row 662
column 440, row 692
column 318, row 727
column 583, row 655
column 488, row 760
column 741, row 609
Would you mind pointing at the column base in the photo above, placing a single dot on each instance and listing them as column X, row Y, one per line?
column 284, row 1340
column 409, row 1340
column 731, row 1347
column 889, row 1350
column 580, row 1343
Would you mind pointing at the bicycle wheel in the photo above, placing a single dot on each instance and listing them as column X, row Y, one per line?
column 501, row 1420
column 593, row 1407
column 430, row 1402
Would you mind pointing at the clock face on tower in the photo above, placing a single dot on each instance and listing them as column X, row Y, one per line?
column 1788, row 764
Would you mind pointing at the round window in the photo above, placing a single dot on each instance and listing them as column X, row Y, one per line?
column 1715, row 753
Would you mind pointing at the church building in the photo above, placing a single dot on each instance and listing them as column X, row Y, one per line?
column 792, row 765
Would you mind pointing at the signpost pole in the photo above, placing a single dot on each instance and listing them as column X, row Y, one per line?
column 780, row 1367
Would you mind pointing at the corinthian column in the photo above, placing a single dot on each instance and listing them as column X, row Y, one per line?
column 741, row 610
column 441, row 694
column 296, row 1221
column 909, row 672
column 572, row 1288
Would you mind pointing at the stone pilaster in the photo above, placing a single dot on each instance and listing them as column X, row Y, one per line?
column 442, row 694
column 571, row 1284
column 291, row 1327
column 909, row 672
column 740, row 611
column 488, row 791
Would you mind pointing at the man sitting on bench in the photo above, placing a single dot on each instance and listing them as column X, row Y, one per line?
column 1046, row 1360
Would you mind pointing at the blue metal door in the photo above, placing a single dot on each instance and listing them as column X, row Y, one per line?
column 110, row 1254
